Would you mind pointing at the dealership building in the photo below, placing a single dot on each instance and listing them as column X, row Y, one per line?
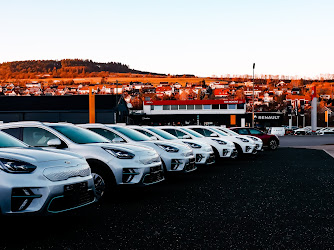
column 206, row 112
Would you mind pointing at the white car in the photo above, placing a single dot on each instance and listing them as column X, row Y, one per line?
column 34, row 180
column 111, row 164
column 175, row 156
column 243, row 144
column 204, row 154
column 258, row 142
column 221, row 148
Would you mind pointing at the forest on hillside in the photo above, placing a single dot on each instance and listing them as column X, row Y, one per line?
column 67, row 68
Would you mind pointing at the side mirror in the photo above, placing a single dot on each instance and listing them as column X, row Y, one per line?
column 186, row 137
column 54, row 142
column 117, row 140
column 214, row 135
column 153, row 138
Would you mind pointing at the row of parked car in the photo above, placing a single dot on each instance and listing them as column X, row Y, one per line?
column 55, row 167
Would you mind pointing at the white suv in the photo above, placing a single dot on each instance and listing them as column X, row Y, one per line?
column 222, row 148
column 34, row 180
column 243, row 144
column 111, row 163
column 204, row 154
column 175, row 156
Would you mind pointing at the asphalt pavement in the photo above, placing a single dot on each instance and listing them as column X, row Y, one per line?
column 276, row 200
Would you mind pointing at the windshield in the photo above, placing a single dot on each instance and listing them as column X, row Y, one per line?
column 219, row 132
column 132, row 134
column 227, row 131
column 192, row 132
column 7, row 141
column 163, row 134
column 79, row 135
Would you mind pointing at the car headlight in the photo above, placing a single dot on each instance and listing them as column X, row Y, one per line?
column 167, row 148
column 254, row 138
column 193, row 145
column 16, row 167
column 242, row 139
column 219, row 142
column 120, row 154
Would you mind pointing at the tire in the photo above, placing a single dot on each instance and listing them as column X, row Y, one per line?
column 104, row 180
column 234, row 155
column 239, row 149
column 217, row 156
column 273, row 145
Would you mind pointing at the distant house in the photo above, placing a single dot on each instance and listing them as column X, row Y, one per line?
column 33, row 85
column 295, row 91
column 219, row 93
column 218, row 85
column 163, row 91
column 10, row 93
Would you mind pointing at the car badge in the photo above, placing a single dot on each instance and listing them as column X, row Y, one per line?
column 67, row 162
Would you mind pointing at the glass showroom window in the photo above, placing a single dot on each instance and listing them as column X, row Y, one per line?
column 198, row 106
column 215, row 106
column 182, row 106
column 241, row 106
column 166, row 107
column 158, row 107
column 206, row 106
column 174, row 107
column 232, row 106
column 152, row 107
column 223, row 106
column 190, row 107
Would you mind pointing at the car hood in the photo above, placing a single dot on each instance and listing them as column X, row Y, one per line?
column 178, row 145
column 34, row 155
column 126, row 147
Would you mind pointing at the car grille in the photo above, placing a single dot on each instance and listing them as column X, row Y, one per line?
column 211, row 159
column 64, row 173
column 76, row 198
column 190, row 166
column 156, row 174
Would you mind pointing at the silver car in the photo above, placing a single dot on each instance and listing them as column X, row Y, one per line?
column 203, row 152
column 41, row 181
column 111, row 164
column 175, row 157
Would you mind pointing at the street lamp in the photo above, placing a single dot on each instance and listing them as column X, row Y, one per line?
column 253, row 98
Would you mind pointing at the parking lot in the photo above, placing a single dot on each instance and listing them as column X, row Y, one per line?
column 281, row 199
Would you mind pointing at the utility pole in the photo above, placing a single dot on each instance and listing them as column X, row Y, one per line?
column 253, row 98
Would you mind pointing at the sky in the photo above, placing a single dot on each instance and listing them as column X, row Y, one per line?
column 204, row 38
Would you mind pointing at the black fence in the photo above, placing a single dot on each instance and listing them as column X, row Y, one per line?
column 74, row 109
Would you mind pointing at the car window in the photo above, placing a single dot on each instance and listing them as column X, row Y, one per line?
column 13, row 132
column 132, row 134
column 171, row 131
column 243, row 131
column 180, row 134
column 192, row 132
column 7, row 141
column 145, row 132
column 79, row 135
column 163, row 134
column 107, row 134
column 199, row 130
column 37, row 137
column 255, row 132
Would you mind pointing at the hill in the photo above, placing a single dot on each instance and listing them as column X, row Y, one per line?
column 67, row 68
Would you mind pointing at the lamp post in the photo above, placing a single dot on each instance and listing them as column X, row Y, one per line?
column 253, row 98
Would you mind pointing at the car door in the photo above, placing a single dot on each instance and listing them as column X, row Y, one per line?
column 39, row 137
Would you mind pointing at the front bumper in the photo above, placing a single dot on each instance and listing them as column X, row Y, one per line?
column 41, row 196
column 206, row 158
